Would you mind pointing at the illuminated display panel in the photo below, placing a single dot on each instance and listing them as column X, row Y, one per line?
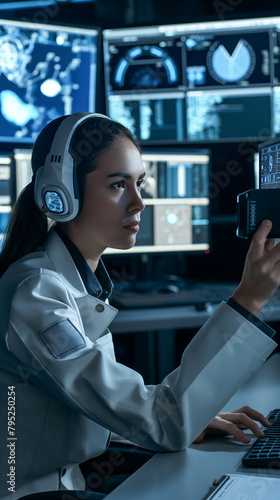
column 6, row 191
column 269, row 158
column 195, row 82
column 46, row 71
column 176, row 194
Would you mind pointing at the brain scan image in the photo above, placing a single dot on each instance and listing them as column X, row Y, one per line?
column 173, row 224
column 45, row 72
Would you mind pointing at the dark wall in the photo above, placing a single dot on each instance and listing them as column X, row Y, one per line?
column 110, row 13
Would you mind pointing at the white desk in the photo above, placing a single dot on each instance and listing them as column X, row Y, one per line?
column 175, row 317
column 188, row 474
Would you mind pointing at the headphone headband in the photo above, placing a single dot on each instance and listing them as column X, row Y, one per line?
column 55, row 189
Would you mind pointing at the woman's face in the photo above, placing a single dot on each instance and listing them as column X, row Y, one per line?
column 112, row 203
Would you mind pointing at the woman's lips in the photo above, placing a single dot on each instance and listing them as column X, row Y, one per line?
column 134, row 227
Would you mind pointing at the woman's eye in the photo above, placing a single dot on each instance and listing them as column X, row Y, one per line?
column 121, row 184
column 141, row 183
column 118, row 185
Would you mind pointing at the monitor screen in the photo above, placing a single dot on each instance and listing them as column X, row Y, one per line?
column 195, row 82
column 176, row 194
column 256, row 170
column 6, row 191
column 46, row 71
column 269, row 156
column 23, row 169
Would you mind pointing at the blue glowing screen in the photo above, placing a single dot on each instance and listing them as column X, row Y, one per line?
column 45, row 72
column 54, row 202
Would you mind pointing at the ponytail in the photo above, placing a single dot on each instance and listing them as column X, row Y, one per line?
column 28, row 226
column 27, row 229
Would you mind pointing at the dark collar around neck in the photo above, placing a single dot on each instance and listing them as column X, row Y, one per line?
column 97, row 283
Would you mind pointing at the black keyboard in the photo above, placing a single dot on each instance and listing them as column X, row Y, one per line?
column 265, row 451
column 197, row 295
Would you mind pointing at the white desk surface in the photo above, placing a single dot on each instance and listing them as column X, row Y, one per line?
column 189, row 474
column 175, row 317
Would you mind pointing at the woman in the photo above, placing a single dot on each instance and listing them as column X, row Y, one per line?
column 57, row 354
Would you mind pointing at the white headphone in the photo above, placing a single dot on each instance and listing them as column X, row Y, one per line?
column 55, row 190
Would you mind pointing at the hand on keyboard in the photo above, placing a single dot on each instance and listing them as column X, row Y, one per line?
column 233, row 422
column 265, row 451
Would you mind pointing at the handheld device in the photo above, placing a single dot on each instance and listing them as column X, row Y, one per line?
column 255, row 205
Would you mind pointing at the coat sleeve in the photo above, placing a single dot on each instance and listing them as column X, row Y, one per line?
column 48, row 336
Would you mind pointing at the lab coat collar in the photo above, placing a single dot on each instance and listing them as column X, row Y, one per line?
column 88, row 305
column 63, row 263
column 98, row 283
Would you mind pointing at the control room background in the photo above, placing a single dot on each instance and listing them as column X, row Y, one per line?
column 225, row 260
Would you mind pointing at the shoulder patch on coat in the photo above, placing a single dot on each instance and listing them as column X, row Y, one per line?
column 62, row 338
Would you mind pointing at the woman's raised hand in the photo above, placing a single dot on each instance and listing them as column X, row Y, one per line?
column 261, row 275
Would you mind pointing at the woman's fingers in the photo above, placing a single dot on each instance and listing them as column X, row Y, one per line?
column 259, row 239
column 233, row 422
column 269, row 244
column 261, row 275
column 254, row 414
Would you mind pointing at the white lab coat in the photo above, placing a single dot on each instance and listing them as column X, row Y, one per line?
column 57, row 351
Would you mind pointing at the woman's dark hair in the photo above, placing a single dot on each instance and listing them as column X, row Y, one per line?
column 28, row 226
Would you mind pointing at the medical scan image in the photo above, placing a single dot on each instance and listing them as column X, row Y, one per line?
column 45, row 72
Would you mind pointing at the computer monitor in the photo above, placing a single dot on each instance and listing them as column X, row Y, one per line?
column 257, row 170
column 269, row 166
column 269, row 154
column 195, row 82
column 6, row 191
column 23, row 169
column 176, row 194
column 15, row 174
column 46, row 71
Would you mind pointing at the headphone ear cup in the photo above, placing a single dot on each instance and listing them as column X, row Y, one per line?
column 54, row 202
column 50, row 196
column 55, row 191
column 54, row 188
